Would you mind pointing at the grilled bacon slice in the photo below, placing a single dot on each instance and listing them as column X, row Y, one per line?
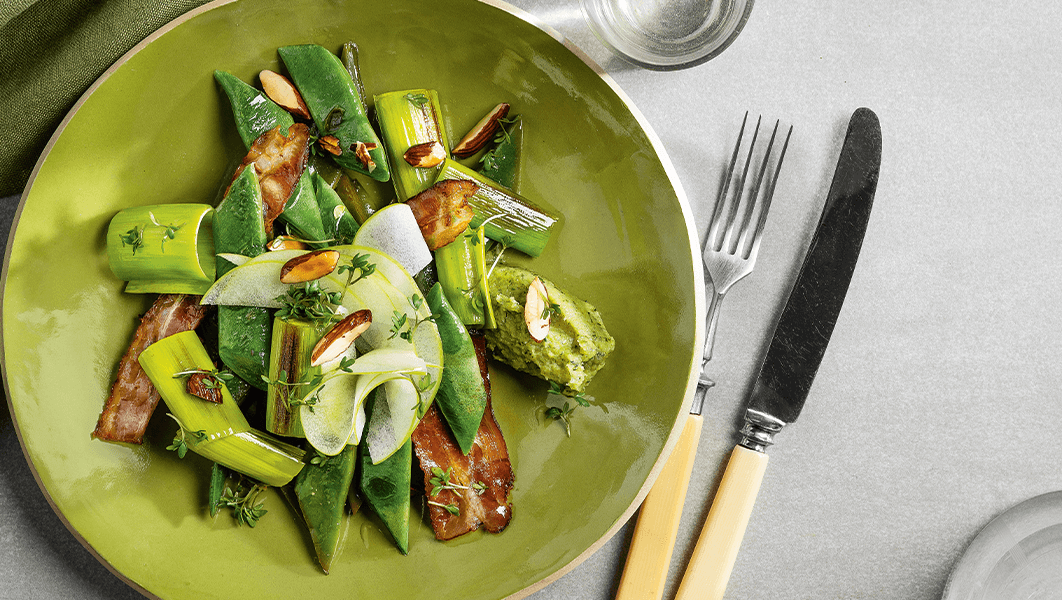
column 488, row 463
column 442, row 211
column 133, row 398
column 279, row 160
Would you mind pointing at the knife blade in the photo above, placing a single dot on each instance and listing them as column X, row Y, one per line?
column 793, row 357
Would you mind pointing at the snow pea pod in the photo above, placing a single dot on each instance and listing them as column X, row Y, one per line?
column 253, row 111
column 332, row 97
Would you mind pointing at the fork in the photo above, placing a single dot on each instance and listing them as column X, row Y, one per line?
column 729, row 254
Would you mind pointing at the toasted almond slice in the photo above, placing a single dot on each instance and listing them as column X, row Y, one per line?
column 536, row 315
column 309, row 266
column 285, row 242
column 283, row 92
column 361, row 150
column 336, row 341
column 426, row 155
column 482, row 133
column 331, row 144
column 199, row 385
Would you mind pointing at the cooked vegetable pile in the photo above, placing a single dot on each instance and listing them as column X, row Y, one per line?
column 307, row 336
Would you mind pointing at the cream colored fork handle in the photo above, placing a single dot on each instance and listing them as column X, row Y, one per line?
column 717, row 547
column 654, row 534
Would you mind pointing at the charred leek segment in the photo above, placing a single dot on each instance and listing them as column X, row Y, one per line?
column 462, row 396
column 164, row 248
column 501, row 164
column 510, row 218
column 302, row 214
column 332, row 97
column 339, row 224
column 217, row 432
column 462, row 271
column 254, row 112
column 290, row 373
column 385, row 487
column 321, row 489
column 408, row 118
column 243, row 331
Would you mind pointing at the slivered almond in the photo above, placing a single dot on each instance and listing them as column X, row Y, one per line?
column 285, row 242
column 336, row 341
column 361, row 150
column 482, row 133
column 309, row 266
column 426, row 155
column 283, row 92
column 536, row 313
column 331, row 144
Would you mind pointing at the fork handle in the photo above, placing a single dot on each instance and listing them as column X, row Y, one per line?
column 649, row 556
column 713, row 321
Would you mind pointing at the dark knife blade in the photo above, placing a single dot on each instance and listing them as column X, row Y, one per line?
column 809, row 316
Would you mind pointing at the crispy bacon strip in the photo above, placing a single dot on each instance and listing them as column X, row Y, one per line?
column 280, row 161
column 127, row 410
column 442, row 211
column 488, row 462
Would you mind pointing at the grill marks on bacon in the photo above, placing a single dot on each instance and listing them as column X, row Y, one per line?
column 442, row 211
column 488, row 462
column 127, row 410
column 279, row 161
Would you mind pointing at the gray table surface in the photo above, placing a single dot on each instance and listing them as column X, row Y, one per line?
column 933, row 409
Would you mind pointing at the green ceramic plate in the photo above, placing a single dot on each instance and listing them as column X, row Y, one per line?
column 155, row 129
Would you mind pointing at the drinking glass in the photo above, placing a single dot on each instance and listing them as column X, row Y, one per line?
column 667, row 34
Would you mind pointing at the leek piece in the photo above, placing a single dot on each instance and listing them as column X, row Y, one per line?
column 290, row 371
column 510, row 218
column 217, row 432
column 462, row 397
column 163, row 248
column 408, row 118
column 321, row 489
column 462, row 271
column 243, row 331
column 339, row 224
column 253, row 111
column 302, row 214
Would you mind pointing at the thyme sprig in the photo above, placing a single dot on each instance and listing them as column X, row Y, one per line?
column 245, row 505
column 180, row 440
column 564, row 412
column 440, row 481
column 309, row 301
column 404, row 327
column 357, row 269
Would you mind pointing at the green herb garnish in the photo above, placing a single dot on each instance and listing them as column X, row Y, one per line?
column 180, row 441
column 309, row 301
column 564, row 413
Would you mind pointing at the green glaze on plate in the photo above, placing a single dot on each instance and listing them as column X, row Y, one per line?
column 156, row 129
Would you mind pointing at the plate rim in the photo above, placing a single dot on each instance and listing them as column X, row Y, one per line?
column 654, row 141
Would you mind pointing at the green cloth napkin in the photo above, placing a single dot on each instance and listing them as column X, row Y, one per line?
column 50, row 53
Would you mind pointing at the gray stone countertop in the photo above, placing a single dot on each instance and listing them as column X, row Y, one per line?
column 932, row 410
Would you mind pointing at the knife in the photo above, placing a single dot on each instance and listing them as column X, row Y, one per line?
column 793, row 358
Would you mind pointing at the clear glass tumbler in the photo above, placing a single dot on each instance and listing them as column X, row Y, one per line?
column 667, row 34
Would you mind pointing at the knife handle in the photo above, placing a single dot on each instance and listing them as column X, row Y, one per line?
column 717, row 547
column 654, row 533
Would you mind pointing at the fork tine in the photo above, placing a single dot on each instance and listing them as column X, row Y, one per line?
column 730, row 236
column 769, row 194
column 747, row 235
column 713, row 239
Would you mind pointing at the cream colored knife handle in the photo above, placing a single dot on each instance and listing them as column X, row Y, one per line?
column 654, row 534
column 717, row 547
